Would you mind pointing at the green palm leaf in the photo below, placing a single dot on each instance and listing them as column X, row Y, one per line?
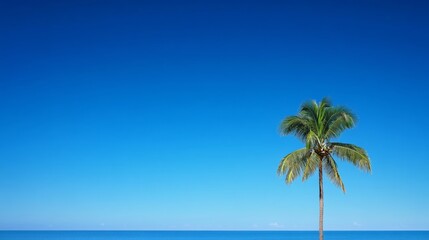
column 331, row 169
column 309, row 111
column 312, row 163
column 295, row 125
column 293, row 164
column 340, row 119
column 352, row 153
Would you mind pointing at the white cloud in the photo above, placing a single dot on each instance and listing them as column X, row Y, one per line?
column 275, row 225
column 356, row 224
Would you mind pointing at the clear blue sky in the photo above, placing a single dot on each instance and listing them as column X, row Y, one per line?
column 164, row 115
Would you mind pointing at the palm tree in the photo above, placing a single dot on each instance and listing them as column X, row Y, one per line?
column 316, row 125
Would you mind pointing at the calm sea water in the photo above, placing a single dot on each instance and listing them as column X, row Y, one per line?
column 212, row 235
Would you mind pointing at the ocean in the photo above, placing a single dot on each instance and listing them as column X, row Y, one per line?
column 212, row 235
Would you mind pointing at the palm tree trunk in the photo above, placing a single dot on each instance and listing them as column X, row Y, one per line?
column 320, row 200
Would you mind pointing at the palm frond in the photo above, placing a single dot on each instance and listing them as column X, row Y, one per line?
column 295, row 125
column 311, row 165
column 331, row 169
column 325, row 103
column 309, row 111
column 293, row 164
column 339, row 119
column 312, row 140
column 323, row 110
column 352, row 153
column 315, row 114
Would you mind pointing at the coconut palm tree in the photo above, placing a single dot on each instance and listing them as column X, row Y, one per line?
column 316, row 125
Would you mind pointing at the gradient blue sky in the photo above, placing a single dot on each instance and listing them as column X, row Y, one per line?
column 164, row 115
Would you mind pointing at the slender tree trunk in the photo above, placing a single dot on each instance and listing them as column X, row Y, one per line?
column 320, row 200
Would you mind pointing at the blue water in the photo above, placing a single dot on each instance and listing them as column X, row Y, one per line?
column 212, row 235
